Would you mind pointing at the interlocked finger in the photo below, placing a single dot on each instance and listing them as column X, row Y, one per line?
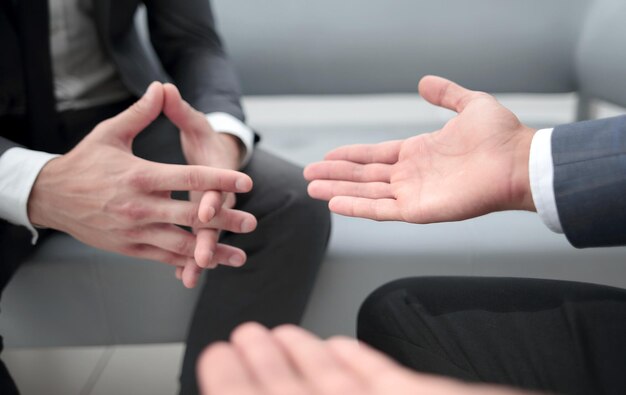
column 210, row 204
column 206, row 244
column 146, row 251
column 164, row 236
column 231, row 220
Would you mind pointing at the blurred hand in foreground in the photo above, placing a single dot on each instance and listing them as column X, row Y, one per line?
column 290, row 360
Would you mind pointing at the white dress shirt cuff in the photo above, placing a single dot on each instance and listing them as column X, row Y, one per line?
column 19, row 168
column 541, row 173
column 222, row 122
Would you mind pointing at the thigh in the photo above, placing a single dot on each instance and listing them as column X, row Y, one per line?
column 548, row 335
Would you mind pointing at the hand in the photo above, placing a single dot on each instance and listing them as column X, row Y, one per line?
column 476, row 164
column 203, row 146
column 106, row 197
column 289, row 360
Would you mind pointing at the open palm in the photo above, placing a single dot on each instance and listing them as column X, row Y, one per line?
column 477, row 163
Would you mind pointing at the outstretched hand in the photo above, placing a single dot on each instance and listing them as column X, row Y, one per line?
column 104, row 196
column 290, row 360
column 476, row 164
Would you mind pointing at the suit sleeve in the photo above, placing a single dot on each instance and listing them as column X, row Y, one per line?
column 5, row 144
column 185, row 38
column 590, row 181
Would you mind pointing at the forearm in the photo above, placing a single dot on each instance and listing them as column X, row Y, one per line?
column 188, row 45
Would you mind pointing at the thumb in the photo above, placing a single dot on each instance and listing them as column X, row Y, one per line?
column 126, row 125
column 445, row 93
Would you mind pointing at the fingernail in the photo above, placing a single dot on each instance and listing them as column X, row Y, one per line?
column 210, row 214
column 209, row 259
column 247, row 225
column 241, row 184
column 236, row 260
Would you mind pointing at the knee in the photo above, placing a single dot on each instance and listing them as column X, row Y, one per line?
column 281, row 203
column 382, row 308
column 306, row 216
column 403, row 303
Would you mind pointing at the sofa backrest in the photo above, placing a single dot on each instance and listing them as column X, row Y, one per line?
column 601, row 52
column 378, row 46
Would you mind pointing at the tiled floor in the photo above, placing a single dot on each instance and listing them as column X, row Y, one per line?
column 301, row 129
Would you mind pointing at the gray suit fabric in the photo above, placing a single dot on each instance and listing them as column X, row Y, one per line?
column 188, row 47
column 590, row 181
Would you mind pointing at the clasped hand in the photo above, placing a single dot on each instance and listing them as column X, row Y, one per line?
column 103, row 195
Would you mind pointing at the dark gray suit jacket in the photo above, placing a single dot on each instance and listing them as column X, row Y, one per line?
column 187, row 45
column 590, row 181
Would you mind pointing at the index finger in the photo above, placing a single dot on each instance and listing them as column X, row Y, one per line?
column 181, row 113
column 167, row 177
column 376, row 209
column 386, row 152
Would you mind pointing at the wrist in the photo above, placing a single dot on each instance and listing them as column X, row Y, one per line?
column 521, row 193
column 234, row 148
column 36, row 207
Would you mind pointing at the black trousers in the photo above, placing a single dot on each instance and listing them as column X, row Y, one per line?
column 284, row 252
column 556, row 336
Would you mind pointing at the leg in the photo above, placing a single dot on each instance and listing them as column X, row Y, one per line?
column 284, row 252
column 15, row 247
column 546, row 335
column 284, row 255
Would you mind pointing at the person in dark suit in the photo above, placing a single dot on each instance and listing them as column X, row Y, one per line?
column 557, row 336
column 77, row 156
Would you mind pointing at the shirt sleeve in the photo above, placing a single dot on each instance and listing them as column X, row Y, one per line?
column 19, row 168
column 222, row 122
column 541, row 174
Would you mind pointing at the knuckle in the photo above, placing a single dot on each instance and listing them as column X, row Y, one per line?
column 134, row 233
column 190, row 218
column 184, row 246
column 138, row 179
column 133, row 211
column 138, row 108
column 193, row 179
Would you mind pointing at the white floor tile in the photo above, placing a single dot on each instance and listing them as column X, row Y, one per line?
column 53, row 371
column 141, row 370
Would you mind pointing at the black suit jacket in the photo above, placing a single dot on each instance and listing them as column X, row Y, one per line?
column 188, row 48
